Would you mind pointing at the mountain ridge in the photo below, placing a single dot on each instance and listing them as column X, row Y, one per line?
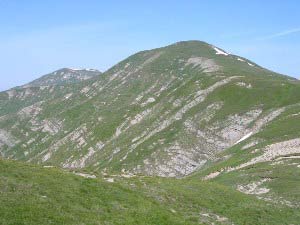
column 228, row 128
column 209, row 61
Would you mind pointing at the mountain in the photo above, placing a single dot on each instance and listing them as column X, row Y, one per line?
column 46, row 88
column 64, row 76
column 189, row 110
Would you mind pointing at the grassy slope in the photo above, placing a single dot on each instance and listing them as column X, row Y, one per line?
column 36, row 195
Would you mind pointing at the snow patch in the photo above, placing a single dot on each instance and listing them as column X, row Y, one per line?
column 244, row 137
column 91, row 70
column 220, row 52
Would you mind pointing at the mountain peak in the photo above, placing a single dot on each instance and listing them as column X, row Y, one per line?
column 64, row 76
column 187, row 109
column 191, row 44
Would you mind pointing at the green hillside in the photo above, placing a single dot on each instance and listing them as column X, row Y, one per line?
column 35, row 195
column 186, row 130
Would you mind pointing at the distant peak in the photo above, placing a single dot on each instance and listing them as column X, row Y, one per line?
column 65, row 76
column 83, row 69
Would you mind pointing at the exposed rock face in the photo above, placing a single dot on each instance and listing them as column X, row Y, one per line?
column 207, row 65
column 7, row 139
column 30, row 111
column 22, row 94
column 254, row 188
column 268, row 153
column 164, row 112
column 275, row 150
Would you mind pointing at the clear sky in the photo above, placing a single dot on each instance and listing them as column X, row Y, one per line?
column 38, row 37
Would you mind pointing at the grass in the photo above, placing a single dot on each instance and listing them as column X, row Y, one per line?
column 35, row 195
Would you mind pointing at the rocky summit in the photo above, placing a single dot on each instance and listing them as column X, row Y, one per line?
column 229, row 128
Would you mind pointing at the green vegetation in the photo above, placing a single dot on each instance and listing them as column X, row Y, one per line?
column 177, row 111
column 35, row 195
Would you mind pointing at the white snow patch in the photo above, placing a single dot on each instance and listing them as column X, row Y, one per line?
column 92, row 70
column 75, row 69
column 244, row 138
column 220, row 52
column 83, row 69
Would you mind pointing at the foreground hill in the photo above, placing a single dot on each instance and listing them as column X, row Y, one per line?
column 36, row 195
column 188, row 109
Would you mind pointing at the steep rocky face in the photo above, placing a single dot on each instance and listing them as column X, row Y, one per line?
column 164, row 112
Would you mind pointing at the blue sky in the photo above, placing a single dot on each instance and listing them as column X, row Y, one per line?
column 37, row 37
